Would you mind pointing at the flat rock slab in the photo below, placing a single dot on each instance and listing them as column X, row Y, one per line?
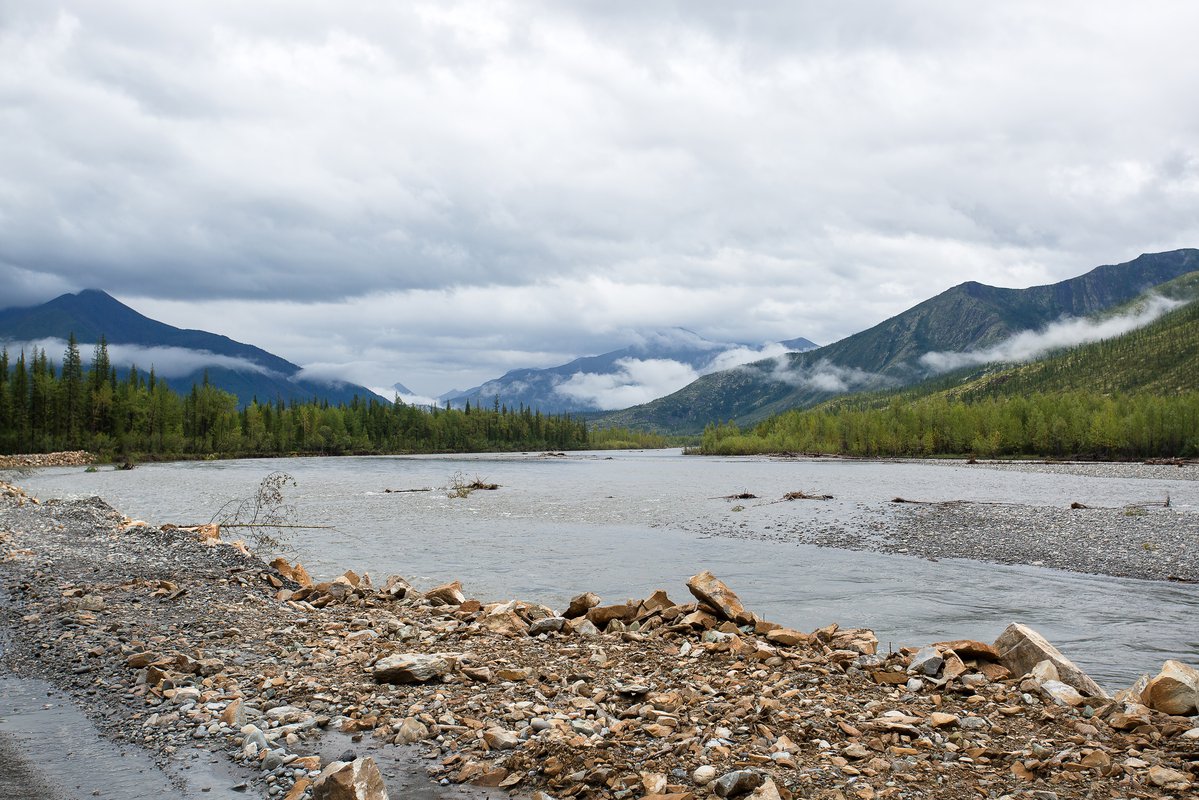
column 410, row 668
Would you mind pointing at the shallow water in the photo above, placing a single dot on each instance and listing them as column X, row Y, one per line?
column 56, row 739
column 624, row 524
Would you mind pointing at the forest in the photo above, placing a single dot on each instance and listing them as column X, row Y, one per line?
column 89, row 407
column 1074, row 424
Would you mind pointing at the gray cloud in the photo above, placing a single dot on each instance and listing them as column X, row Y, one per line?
column 750, row 172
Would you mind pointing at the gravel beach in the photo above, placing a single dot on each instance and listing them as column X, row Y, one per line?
column 193, row 649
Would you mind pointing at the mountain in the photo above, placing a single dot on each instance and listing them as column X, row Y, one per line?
column 657, row 364
column 967, row 317
column 180, row 356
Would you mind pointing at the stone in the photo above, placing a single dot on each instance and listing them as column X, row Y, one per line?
column 411, row 730
column 1021, row 648
column 767, row 791
column 1061, row 693
column 1045, row 671
column 703, row 774
column 547, row 625
column 581, row 626
column 450, row 594
column 927, row 661
column 856, row 640
column 1164, row 776
column 581, row 604
column 359, row 779
column 939, row 719
column 91, row 602
column 1174, row 690
column 1130, row 715
column 738, row 782
column 233, row 715
column 709, row 590
column 410, row 668
column 970, row 649
column 653, row 782
column 787, row 637
column 396, row 587
column 500, row 739
column 600, row 616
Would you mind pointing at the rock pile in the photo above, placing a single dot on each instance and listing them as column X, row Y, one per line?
column 187, row 645
column 73, row 458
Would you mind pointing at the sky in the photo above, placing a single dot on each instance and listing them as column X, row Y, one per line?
column 435, row 193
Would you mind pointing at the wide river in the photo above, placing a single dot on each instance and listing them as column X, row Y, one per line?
column 623, row 524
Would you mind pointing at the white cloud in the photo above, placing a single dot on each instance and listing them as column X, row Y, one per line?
column 1067, row 332
column 827, row 376
column 167, row 362
column 636, row 381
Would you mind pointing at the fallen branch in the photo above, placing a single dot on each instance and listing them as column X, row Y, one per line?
column 401, row 491
column 803, row 496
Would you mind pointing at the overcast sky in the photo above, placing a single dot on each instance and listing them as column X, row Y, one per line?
column 435, row 193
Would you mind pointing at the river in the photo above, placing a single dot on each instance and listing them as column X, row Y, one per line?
column 623, row 524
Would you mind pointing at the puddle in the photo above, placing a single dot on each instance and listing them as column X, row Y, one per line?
column 50, row 750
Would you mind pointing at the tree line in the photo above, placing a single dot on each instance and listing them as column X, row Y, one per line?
column 1061, row 424
column 78, row 407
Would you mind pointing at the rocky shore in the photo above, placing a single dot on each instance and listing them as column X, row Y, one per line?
column 73, row 458
column 185, row 644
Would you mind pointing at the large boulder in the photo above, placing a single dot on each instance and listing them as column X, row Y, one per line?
column 712, row 592
column 1021, row 648
column 359, row 779
column 1175, row 690
column 580, row 604
column 410, row 668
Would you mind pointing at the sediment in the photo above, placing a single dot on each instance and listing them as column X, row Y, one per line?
column 182, row 643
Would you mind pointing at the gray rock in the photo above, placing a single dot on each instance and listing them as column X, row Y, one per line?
column 547, row 625
column 738, row 782
column 410, row 668
column 927, row 662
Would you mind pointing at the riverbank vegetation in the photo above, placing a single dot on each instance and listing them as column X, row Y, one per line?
column 1074, row 424
column 77, row 408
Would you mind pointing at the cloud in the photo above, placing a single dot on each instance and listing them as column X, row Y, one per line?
column 1067, row 332
column 750, row 172
column 636, row 381
column 826, row 376
column 167, row 362
column 736, row 356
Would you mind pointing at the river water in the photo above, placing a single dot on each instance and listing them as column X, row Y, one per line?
column 623, row 524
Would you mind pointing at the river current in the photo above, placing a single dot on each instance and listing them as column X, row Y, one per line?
column 623, row 524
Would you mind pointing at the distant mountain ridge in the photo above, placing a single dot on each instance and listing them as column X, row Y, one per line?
column 966, row 317
column 557, row 389
column 242, row 369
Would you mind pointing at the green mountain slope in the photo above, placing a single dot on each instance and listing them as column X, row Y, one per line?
column 967, row 317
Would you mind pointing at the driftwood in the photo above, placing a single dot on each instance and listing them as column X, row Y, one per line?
column 402, row 491
column 805, row 496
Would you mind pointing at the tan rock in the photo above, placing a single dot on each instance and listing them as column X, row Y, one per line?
column 708, row 589
column 411, row 730
column 600, row 616
column 233, row 715
column 787, row 637
column 359, row 779
column 448, row 593
column 970, row 649
column 1045, row 671
column 1174, row 690
column 939, row 719
column 1164, row 776
column 581, row 604
column 1061, row 693
column 1021, row 648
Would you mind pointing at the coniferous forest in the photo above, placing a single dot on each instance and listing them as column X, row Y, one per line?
column 91, row 407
